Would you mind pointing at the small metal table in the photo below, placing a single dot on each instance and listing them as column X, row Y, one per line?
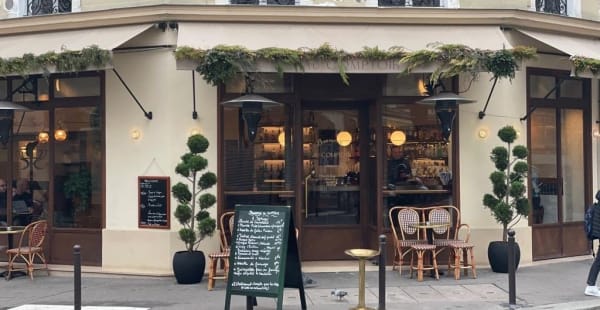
column 362, row 255
column 10, row 231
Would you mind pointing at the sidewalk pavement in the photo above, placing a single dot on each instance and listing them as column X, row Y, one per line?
column 555, row 284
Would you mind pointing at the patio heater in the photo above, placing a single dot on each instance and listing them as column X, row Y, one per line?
column 7, row 109
column 446, row 104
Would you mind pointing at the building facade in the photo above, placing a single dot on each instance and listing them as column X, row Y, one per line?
column 98, row 130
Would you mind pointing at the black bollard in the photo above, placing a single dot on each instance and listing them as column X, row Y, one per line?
column 381, row 272
column 77, row 275
column 512, row 295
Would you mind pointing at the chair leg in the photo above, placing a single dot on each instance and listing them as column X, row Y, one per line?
column 474, row 271
column 10, row 266
column 419, row 266
column 435, row 265
column 457, row 255
column 212, row 269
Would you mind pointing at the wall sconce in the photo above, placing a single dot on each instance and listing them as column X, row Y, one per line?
column 60, row 135
column 251, row 107
column 482, row 133
column 398, row 137
column 7, row 109
column 446, row 104
column 43, row 137
column 344, row 138
column 135, row 134
column 195, row 131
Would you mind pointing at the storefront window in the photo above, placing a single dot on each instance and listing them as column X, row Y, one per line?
column 32, row 89
column 77, row 87
column 418, row 169
column 30, row 185
column 78, row 168
column 259, row 170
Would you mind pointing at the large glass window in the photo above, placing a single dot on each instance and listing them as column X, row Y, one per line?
column 78, row 168
column 418, row 167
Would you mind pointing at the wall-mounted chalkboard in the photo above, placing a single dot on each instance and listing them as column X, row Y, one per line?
column 154, row 196
column 264, row 254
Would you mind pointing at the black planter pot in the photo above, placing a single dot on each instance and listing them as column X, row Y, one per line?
column 498, row 256
column 188, row 267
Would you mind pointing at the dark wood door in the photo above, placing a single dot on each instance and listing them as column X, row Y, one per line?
column 559, row 164
column 332, row 216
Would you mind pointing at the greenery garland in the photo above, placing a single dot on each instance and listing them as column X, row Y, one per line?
column 453, row 59
column 582, row 64
column 65, row 61
column 221, row 63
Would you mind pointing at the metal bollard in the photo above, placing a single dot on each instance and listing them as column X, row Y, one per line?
column 77, row 276
column 382, row 272
column 512, row 295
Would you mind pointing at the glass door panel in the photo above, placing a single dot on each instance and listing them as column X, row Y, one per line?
column 77, row 168
column 573, row 199
column 545, row 180
column 332, row 187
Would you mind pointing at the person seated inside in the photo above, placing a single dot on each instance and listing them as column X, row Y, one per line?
column 22, row 203
column 399, row 171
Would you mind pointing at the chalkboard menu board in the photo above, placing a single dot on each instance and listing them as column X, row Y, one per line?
column 154, row 202
column 264, row 254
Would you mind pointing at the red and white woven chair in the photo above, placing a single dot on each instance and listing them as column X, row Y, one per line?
column 29, row 248
column 402, row 222
column 226, row 222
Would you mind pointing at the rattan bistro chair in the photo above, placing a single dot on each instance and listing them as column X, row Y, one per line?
column 226, row 222
column 29, row 247
column 405, row 235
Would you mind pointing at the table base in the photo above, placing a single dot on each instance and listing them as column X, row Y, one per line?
column 362, row 308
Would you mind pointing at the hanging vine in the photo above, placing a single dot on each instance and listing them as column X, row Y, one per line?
column 221, row 63
column 65, row 61
column 582, row 64
column 453, row 59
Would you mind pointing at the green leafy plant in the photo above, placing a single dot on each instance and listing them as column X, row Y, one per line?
column 508, row 202
column 221, row 63
column 78, row 187
column 196, row 225
column 64, row 61
column 453, row 59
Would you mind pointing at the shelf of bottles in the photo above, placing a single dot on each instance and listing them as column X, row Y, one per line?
column 427, row 151
column 269, row 155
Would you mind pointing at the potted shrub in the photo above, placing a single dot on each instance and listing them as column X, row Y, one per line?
column 78, row 188
column 508, row 202
column 189, row 265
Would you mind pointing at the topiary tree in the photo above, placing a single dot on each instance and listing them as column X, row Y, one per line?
column 508, row 202
column 196, row 226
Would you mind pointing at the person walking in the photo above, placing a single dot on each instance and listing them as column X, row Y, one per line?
column 591, row 289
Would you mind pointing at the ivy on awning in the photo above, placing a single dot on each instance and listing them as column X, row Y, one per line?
column 64, row 61
column 220, row 64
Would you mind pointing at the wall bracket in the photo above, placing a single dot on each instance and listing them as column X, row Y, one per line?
column 148, row 115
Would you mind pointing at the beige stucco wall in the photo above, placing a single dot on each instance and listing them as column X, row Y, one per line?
column 152, row 77
column 506, row 107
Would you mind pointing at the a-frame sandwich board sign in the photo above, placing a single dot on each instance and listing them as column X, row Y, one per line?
column 264, row 256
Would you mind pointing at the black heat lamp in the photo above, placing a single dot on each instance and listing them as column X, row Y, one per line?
column 446, row 104
column 7, row 109
column 251, row 107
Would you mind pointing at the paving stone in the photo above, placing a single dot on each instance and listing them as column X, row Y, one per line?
column 397, row 295
column 55, row 307
column 489, row 292
column 423, row 293
column 457, row 293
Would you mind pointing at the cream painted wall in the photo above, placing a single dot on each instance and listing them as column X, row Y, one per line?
column 506, row 107
column 168, row 94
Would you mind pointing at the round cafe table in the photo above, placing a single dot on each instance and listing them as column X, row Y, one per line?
column 362, row 255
